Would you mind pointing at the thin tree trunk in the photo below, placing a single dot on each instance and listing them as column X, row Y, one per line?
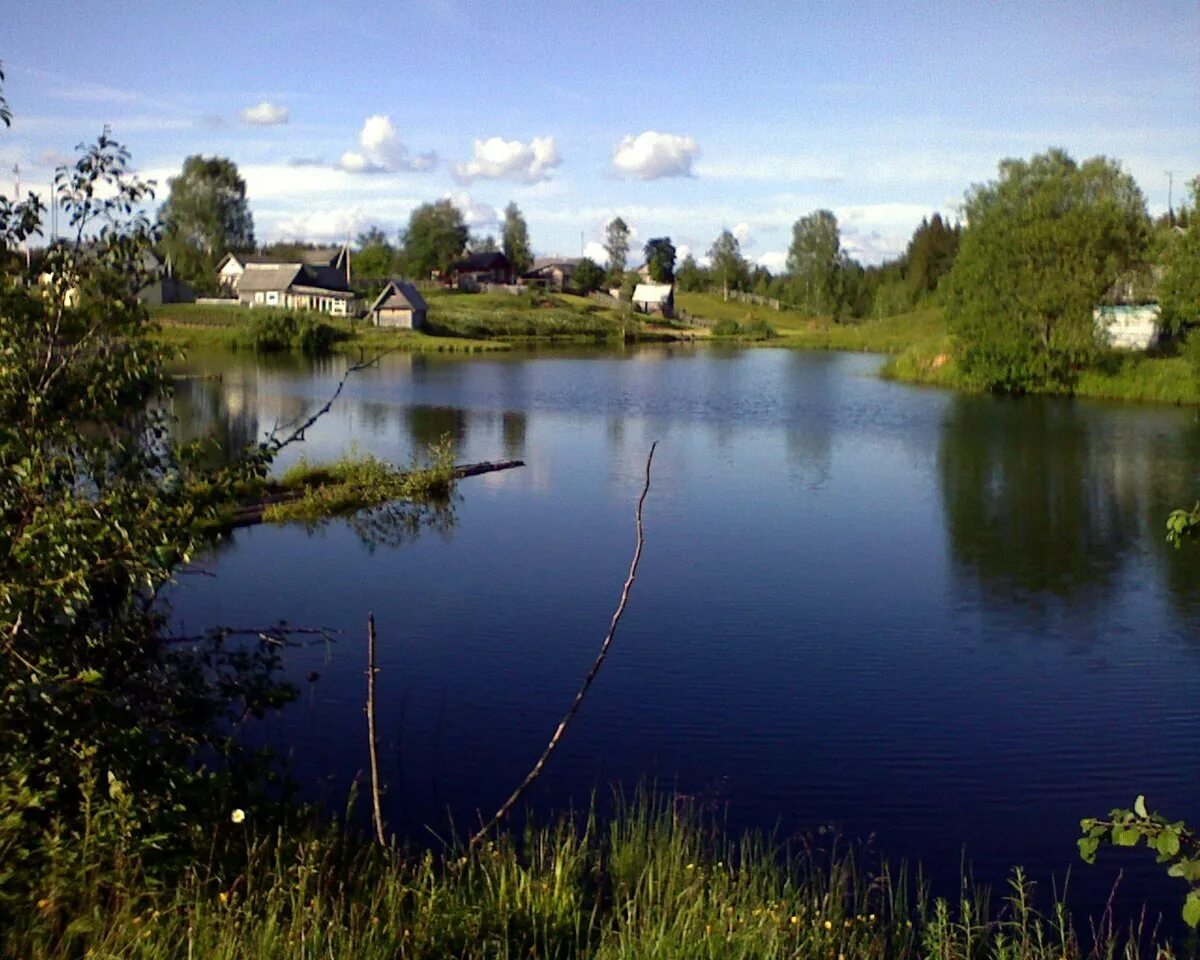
column 376, row 808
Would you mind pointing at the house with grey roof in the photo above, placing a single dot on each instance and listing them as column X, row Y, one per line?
column 233, row 265
column 552, row 273
column 297, row 286
column 400, row 304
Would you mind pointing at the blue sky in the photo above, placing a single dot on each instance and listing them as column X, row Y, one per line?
column 683, row 118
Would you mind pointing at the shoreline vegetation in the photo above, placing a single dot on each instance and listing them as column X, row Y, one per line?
column 658, row 877
column 918, row 345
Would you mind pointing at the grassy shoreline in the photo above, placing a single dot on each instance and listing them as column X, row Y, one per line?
column 655, row 880
column 920, row 348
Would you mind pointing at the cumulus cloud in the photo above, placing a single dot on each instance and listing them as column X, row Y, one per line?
column 742, row 234
column 682, row 252
column 382, row 152
column 265, row 114
column 595, row 251
column 652, row 155
column 474, row 214
column 500, row 159
column 323, row 225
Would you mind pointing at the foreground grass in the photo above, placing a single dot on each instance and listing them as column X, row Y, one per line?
column 654, row 881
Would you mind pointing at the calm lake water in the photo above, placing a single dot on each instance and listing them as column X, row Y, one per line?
column 949, row 623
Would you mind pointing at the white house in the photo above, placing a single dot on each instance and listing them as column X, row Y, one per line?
column 1128, row 326
column 296, row 286
column 656, row 298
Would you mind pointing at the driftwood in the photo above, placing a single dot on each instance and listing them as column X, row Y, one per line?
column 251, row 514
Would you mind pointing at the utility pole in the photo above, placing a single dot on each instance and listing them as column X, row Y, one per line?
column 1170, row 198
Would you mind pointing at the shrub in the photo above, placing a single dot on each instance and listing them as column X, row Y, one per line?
column 272, row 330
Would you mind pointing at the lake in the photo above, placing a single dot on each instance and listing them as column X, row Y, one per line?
column 948, row 623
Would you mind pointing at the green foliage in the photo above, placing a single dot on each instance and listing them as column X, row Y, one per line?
column 660, row 259
column 689, row 278
column 5, row 111
column 616, row 245
column 1179, row 290
column 1043, row 243
column 375, row 258
column 749, row 329
column 659, row 880
column 930, row 256
column 275, row 330
column 204, row 217
column 728, row 267
column 587, row 276
column 102, row 716
column 814, row 262
column 436, row 236
column 516, row 240
column 1173, row 843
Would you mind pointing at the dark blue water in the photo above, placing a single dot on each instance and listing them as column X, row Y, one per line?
column 949, row 623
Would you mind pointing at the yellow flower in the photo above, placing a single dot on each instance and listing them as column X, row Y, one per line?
column 238, row 815
column 795, row 919
column 223, row 897
column 44, row 903
column 828, row 924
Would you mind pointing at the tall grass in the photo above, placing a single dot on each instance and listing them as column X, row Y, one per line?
column 655, row 880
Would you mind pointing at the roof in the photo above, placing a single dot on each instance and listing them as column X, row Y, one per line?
column 652, row 292
column 268, row 276
column 280, row 276
column 322, row 257
column 480, row 262
column 399, row 295
column 541, row 263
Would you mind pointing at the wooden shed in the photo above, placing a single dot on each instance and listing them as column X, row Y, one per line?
column 400, row 304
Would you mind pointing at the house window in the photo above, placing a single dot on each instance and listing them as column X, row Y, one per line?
column 258, row 296
column 273, row 297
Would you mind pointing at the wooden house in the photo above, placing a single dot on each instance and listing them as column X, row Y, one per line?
column 297, row 286
column 400, row 304
column 551, row 273
column 480, row 268
column 233, row 265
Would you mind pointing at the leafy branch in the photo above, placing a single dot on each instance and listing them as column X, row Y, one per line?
column 1171, row 840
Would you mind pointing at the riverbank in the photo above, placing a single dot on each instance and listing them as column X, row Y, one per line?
column 654, row 881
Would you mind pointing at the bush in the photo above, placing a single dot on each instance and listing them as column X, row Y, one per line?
column 273, row 330
column 754, row 329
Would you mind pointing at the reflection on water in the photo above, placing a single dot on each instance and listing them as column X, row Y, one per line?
column 939, row 619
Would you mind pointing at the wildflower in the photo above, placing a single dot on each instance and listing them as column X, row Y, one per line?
column 871, row 918
column 691, row 866
column 44, row 903
column 795, row 919
column 828, row 924
column 223, row 897
column 238, row 815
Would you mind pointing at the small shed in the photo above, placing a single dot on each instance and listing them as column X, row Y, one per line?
column 657, row 298
column 400, row 304
column 1128, row 326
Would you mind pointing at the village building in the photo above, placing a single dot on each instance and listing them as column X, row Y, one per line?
column 233, row 265
column 297, row 286
column 655, row 298
column 473, row 271
column 400, row 305
column 1127, row 318
column 552, row 273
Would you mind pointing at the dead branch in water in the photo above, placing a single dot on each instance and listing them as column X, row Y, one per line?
column 573, row 709
column 372, row 738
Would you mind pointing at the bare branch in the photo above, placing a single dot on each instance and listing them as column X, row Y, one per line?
column 372, row 738
column 274, row 444
column 587, row 681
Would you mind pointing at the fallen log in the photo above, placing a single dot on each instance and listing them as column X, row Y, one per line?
column 252, row 513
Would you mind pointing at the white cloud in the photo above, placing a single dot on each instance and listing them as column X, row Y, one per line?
column 323, row 225
column 474, row 214
column 652, row 155
column 500, row 159
column 742, row 234
column 595, row 251
column 773, row 260
column 682, row 252
column 382, row 152
column 265, row 114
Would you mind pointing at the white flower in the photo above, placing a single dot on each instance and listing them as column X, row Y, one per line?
column 238, row 816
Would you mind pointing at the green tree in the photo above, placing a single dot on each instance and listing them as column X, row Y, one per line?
column 102, row 715
column 436, row 236
column 587, row 276
column 375, row 258
column 814, row 261
column 204, row 217
column 1043, row 242
column 1179, row 290
column 660, row 259
column 515, row 240
column 728, row 265
column 929, row 256
column 616, row 244
column 689, row 276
